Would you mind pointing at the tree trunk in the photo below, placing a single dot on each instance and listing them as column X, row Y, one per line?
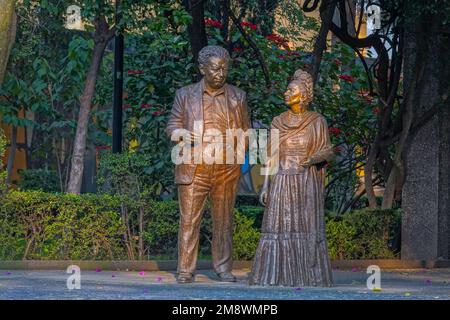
column 425, row 200
column 196, row 30
column 11, row 155
column 8, row 25
column 397, row 171
column 141, row 232
column 368, row 173
column 101, row 38
column 225, row 20
column 76, row 173
column 326, row 14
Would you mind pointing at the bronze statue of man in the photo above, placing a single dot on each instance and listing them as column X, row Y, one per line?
column 220, row 106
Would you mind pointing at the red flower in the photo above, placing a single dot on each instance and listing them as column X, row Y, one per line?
column 102, row 147
column 157, row 113
column 376, row 110
column 249, row 24
column 277, row 39
column 293, row 54
column 335, row 131
column 135, row 71
column 237, row 49
column 366, row 95
column 338, row 62
column 213, row 23
column 145, row 106
column 346, row 77
column 368, row 98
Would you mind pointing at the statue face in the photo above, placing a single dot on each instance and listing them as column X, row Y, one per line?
column 215, row 72
column 293, row 94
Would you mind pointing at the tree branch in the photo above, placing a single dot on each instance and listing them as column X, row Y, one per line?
column 252, row 44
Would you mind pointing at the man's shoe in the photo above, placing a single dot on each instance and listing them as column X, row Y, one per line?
column 226, row 277
column 185, row 278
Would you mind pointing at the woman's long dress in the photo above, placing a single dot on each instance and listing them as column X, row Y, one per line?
column 292, row 250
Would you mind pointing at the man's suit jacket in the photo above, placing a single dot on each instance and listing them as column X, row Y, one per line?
column 188, row 107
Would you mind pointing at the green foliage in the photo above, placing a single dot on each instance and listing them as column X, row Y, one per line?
column 342, row 97
column 3, row 173
column 131, row 174
column 45, row 79
column 39, row 179
column 360, row 234
column 296, row 26
column 161, row 233
column 245, row 237
column 340, row 239
column 135, row 178
column 254, row 213
column 364, row 234
column 39, row 225
column 32, row 82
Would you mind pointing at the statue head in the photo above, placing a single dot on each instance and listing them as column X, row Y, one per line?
column 300, row 90
column 213, row 62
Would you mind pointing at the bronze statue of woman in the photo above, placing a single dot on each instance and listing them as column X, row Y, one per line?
column 292, row 250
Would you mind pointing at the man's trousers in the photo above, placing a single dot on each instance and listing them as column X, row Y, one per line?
column 219, row 182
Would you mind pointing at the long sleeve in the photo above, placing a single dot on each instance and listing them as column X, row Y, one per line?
column 246, row 122
column 321, row 148
column 176, row 116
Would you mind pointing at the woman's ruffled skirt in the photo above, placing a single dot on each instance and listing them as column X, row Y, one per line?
column 292, row 250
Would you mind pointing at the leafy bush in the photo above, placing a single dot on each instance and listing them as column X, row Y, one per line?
column 340, row 239
column 161, row 233
column 132, row 174
column 255, row 213
column 39, row 225
column 245, row 237
column 136, row 179
column 3, row 173
column 39, row 179
column 364, row 234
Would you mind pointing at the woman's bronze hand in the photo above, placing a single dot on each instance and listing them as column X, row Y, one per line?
column 263, row 196
column 306, row 163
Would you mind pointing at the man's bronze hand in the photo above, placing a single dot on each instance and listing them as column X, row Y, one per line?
column 194, row 136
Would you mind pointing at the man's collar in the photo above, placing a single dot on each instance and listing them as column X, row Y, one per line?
column 215, row 92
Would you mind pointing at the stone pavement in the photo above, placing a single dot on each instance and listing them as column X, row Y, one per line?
column 432, row 284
